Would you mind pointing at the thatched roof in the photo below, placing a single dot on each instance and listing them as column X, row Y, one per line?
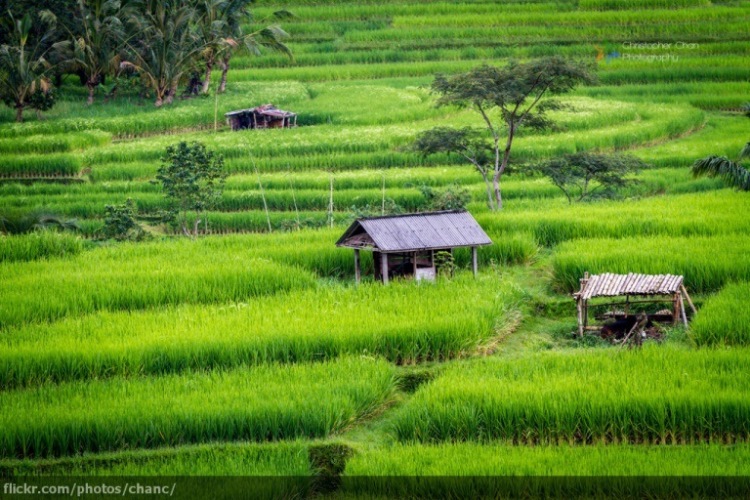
column 611, row 285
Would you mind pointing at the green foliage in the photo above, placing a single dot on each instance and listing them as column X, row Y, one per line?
column 723, row 319
column 583, row 176
column 733, row 173
column 516, row 92
column 120, row 222
column 453, row 197
column 599, row 396
column 192, row 178
column 24, row 68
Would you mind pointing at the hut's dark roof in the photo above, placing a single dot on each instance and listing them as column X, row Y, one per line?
column 414, row 232
column 266, row 109
column 611, row 285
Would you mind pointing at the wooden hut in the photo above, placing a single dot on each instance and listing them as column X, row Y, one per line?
column 266, row 116
column 405, row 245
column 645, row 288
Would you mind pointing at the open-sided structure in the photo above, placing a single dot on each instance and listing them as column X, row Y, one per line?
column 266, row 116
column 405, row 245
column 647, row 288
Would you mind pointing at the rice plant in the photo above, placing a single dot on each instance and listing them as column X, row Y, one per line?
column 39, row 245
column 397, row 322
column 723, row 319
column 655, row 395
column 259, row 404
column 696, row 258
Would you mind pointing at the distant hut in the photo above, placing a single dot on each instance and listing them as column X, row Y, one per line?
column 266, row 116
column 637, row 289
column 405, row 245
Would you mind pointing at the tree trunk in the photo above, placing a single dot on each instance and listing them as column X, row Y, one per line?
column 19, row 113
column 224, row 71
column 91, row 88
column 159, row 101
column 490, row 199
column 499, row 169
column 498, row 195
column 207, row 79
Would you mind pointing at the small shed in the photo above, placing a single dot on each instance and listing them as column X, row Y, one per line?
column 646, row 288
column 405, row 245
column 266, row 116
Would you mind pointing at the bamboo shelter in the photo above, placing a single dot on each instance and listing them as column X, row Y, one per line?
column 405, row 245
column 266, row 116
column 645, row 288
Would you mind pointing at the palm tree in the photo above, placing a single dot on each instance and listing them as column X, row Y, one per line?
column 95, row 52
column 271, row 37
column 212, row 26
column 24, row 68
column 165, row 46
column 732, row 172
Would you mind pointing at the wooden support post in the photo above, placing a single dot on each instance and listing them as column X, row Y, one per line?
column 580, row 317
column 687, row 297
column 682, row 311
column 357, row 267
column 474, row 261
column 585, row 313
column 384, row 267
column 675, row 309
column 414, row 263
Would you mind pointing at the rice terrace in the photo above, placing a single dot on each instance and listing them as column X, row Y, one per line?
column 359, row 249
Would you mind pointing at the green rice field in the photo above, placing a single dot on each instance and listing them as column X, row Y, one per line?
column 248, row 349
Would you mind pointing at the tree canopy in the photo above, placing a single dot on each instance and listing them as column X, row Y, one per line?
column 517, row 92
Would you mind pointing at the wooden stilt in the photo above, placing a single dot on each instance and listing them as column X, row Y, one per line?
column 357, row 268
column 585, row 314
column 384, row 267
column 414, row 264
column 675, row 309
column 580, row 317
column 474, row 261
column 687, row 297
column 682, row 311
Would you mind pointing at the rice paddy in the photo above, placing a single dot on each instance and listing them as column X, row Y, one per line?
column 249, row 349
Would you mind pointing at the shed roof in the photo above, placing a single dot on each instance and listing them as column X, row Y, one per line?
column 610, row 285
column 415, row 232
column 266, row 109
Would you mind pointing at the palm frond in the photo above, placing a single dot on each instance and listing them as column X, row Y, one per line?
column 720, row 166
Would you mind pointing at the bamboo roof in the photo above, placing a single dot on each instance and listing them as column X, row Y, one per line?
column 611, row 285
column 415, row 232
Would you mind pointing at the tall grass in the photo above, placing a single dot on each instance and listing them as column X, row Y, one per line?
column 695, row 214
column 131, row 278
column 262, row 403
column 39, row 245
column 398, row 322
column 707, row 263
column 224, row 459
column 654, row 395
column 724, row 318
column 475, row 459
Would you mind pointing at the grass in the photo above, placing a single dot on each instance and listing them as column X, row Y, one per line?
column 656, row 395
column 262, row 403
column 475, row 459
column 39, row 245
column 723, row 319
column 696, row 258
column 396, row 322
column 132, row 277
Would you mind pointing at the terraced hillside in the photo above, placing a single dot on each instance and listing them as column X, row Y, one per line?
column 246, row 353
